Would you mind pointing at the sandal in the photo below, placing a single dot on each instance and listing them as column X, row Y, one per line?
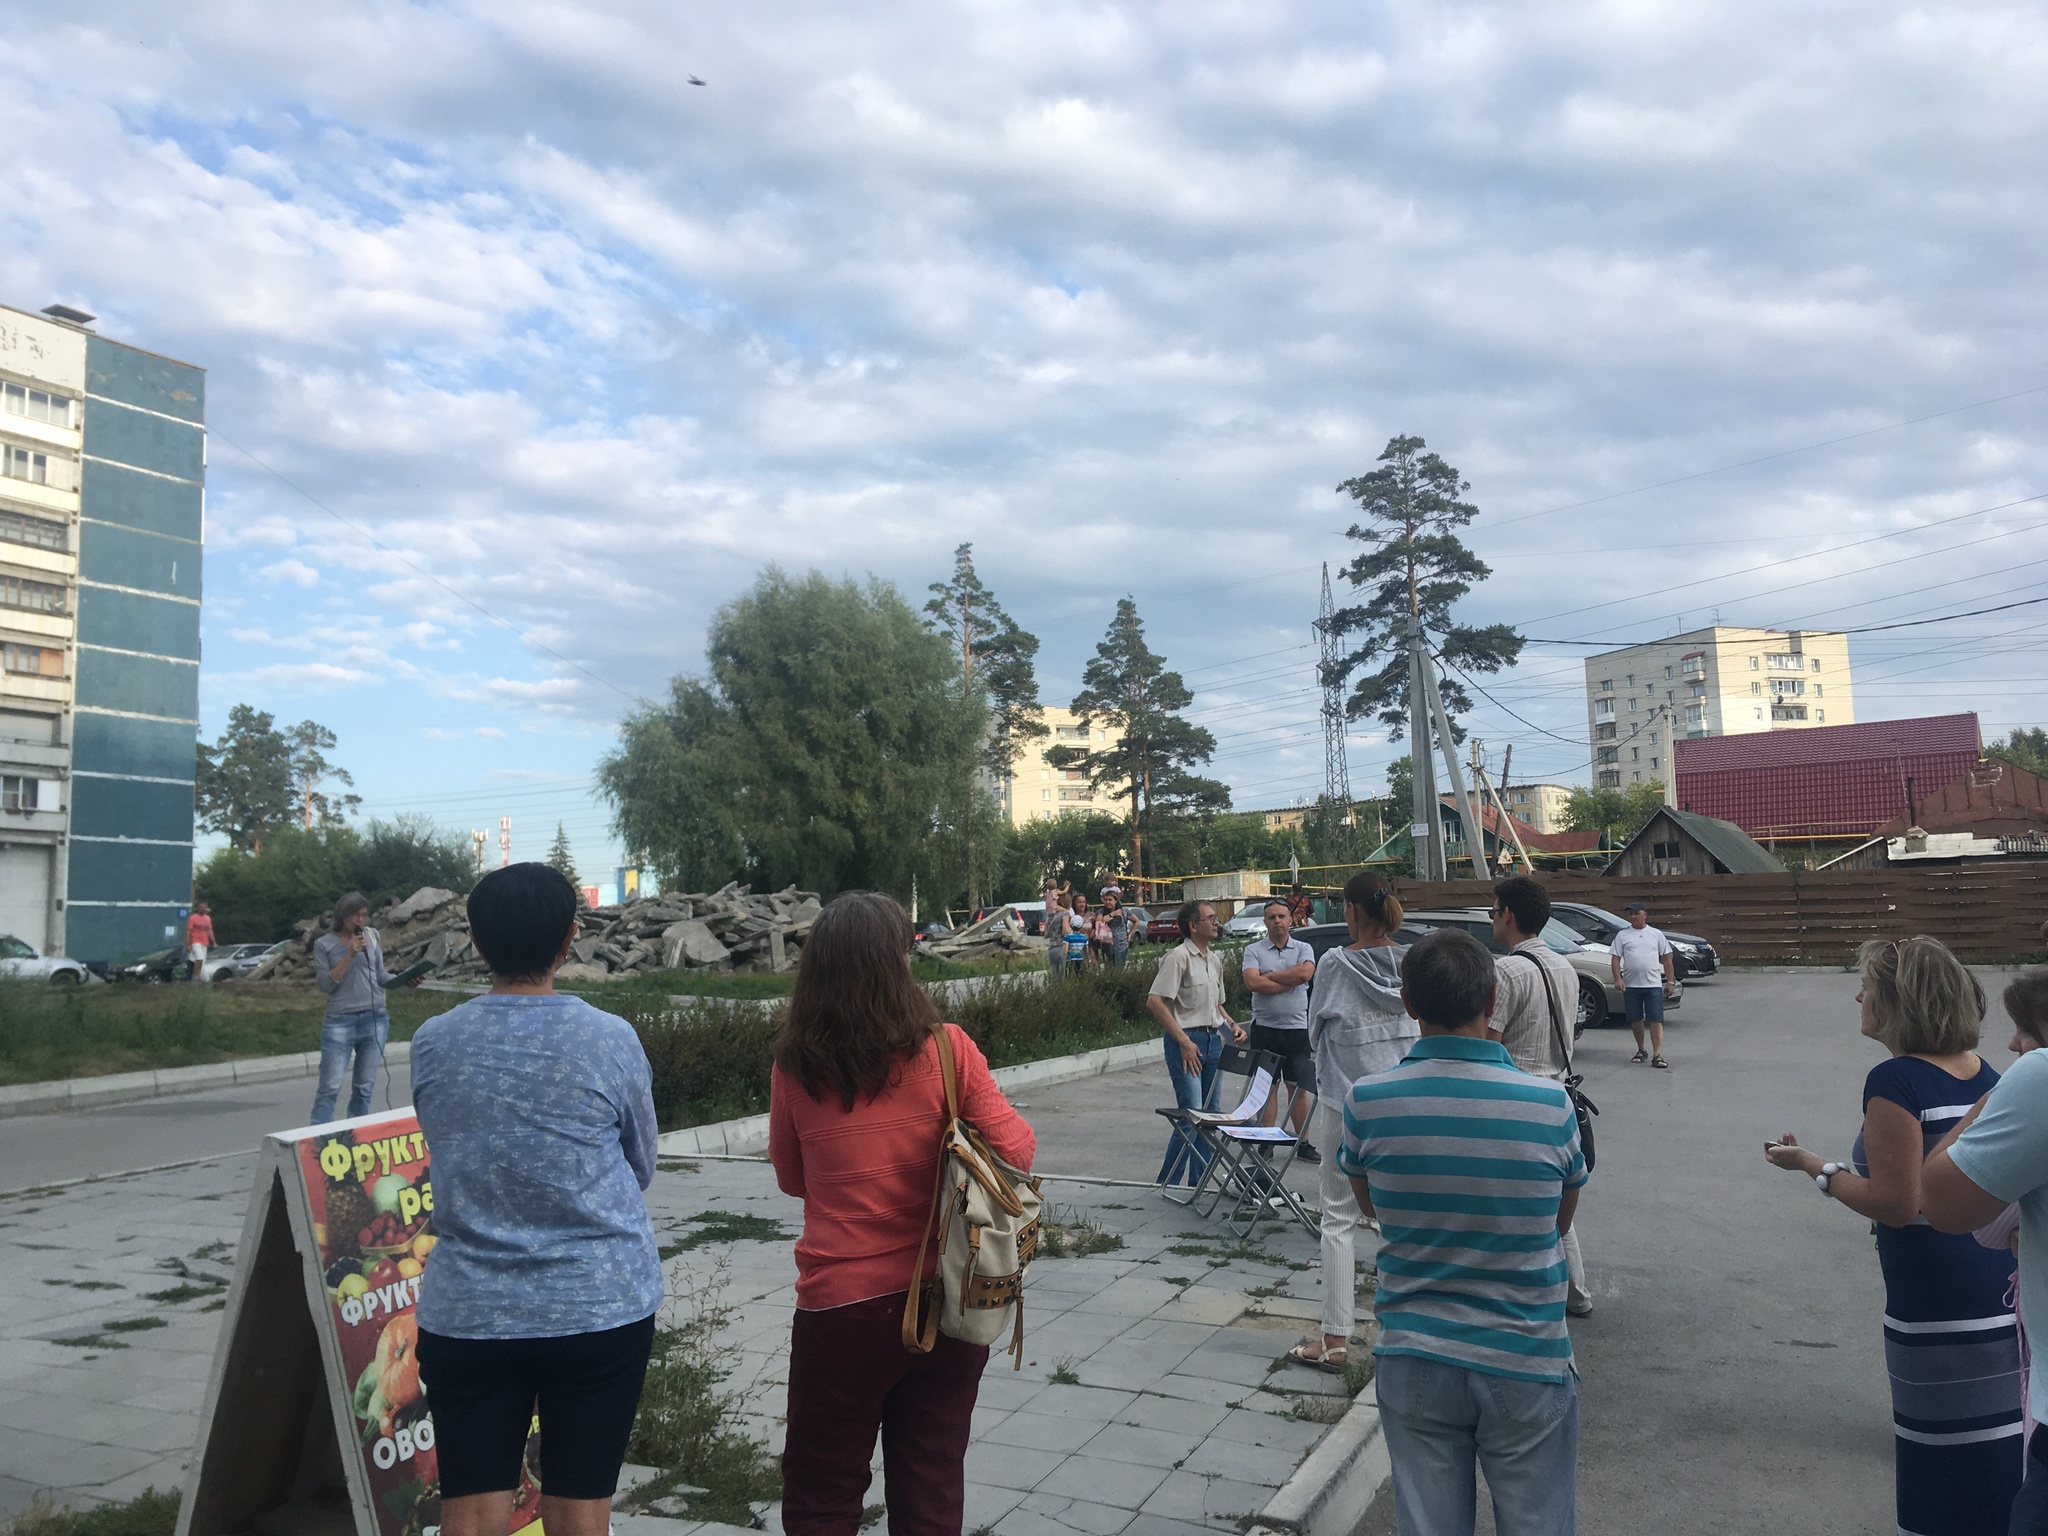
column 1327, row 1358
column 1659, row 1061
column 1640, row 1056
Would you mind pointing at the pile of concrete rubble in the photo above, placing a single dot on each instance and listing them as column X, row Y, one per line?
column 1000, row 933
column 728, row 930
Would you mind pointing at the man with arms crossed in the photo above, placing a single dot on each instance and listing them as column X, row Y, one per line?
column 1473, row 1168
column 1646, row 974
column 1277, row 970
column 1533, row 1014
column 1187, row 1000
column 1998, row 1155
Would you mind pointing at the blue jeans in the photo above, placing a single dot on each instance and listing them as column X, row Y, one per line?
column 1118, row 954
column 1191, row 1090
column 342, row 1035
column 1439, row 1417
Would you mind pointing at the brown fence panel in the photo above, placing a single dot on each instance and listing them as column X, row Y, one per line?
column 1988, row 912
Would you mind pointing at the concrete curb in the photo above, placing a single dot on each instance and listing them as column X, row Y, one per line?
column 749, row 1135
column 1337, row 1482
column 133, row 1087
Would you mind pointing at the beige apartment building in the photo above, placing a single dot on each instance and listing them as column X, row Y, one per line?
column 1540, row 805
column 1722, row 681
column 1036, row 789
column 42, row 385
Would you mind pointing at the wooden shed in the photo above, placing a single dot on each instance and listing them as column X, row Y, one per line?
column 1674, row 842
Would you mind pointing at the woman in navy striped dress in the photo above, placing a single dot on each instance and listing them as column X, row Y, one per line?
column 1950, row 1340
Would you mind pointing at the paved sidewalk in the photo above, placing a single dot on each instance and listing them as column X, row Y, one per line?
column 1181, row 1417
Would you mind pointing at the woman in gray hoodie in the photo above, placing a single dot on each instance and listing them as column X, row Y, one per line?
column 1356, row 1026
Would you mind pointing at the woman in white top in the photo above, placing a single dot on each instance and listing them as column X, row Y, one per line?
column 1357, row 1026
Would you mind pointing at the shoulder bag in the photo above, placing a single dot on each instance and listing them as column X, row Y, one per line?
column 1583, row 1108
column 985, row 1214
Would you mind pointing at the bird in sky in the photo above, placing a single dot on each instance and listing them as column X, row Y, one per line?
column 695, row 81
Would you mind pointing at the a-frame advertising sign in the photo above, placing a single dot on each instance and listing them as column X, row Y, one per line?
column 315, row 1422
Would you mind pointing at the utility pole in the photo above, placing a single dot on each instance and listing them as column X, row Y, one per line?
column 1336, row 767
column 504, row 842
column 1500, row 809
column 1475, row 830
column 1426, row 825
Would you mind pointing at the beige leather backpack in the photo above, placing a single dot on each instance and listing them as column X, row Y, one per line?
column 986, row 1215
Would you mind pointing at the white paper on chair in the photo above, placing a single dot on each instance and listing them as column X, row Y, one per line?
column 1256, row 1092
column 1257, row 1132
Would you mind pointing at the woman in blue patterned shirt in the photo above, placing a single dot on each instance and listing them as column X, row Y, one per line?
column 539, row 1117
column 1951, row 1342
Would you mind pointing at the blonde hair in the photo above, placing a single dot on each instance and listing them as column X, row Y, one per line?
column 1926, row 1001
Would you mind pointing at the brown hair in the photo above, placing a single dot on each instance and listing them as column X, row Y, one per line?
column 2026, row 1004
column 1371, row 894
column 1926, row 1001
column 854, row 1014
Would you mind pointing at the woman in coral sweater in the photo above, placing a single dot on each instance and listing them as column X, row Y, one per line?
column 856, row 1114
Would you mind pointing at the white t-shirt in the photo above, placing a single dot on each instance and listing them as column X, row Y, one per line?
column 1642, row 952
column 2005, row 1154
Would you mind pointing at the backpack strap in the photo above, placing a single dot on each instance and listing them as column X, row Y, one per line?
column 920, row 1340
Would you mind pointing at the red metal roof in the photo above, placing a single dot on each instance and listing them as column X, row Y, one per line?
column 1994, row 799
column 1826, row 780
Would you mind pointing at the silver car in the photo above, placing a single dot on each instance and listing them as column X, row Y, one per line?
column 1599, row 997
column 20, row 960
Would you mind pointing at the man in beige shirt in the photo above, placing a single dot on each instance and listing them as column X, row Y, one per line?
column 1187, row 1000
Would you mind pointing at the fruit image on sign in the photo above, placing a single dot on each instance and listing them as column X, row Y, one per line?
column 369, row 1189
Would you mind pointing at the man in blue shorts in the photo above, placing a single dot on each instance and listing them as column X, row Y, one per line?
column 1646, row 974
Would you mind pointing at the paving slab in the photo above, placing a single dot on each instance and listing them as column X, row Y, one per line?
column 1163, row 1364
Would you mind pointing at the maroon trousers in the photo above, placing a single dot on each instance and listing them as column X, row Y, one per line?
column 849, row 1376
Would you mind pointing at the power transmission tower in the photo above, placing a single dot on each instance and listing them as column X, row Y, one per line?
column 1336, row 768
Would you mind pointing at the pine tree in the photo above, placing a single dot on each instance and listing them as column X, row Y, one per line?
column 1415, row 565
column 1128, row 687
column 559, row 858
column 995, row 655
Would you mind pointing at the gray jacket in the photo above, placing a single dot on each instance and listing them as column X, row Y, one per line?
column 1356, row 1023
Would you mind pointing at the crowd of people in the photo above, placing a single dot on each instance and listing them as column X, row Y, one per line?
column 1427, row 1082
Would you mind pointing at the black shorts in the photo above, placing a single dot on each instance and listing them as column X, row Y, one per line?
column 1297, row 1061
column 484, row 1393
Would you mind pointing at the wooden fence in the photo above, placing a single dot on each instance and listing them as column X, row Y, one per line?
column 1989, row 912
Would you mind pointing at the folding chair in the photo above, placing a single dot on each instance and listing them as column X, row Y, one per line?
column 1262, row 1184
column 1193, row 1128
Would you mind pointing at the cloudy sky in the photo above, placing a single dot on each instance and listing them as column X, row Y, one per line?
column 525, row 353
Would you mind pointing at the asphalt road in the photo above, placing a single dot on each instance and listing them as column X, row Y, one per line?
column 1733, row 1371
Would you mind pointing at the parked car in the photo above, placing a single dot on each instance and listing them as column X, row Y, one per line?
column 154, row 968
column 1248, row 923
column 1691, row 955
column 232, row 960
column 1163, row 928
column 1599, row 997
column 931, row 930
column 20, row 959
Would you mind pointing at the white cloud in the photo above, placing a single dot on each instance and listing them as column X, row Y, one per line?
column 294, row 571
column 488, row 730
column 1118, row 294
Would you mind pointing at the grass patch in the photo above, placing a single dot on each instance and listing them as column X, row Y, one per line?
column 216, row 1306
column 684, row 1424
column 133, row 1325
column 1063, row 1373
column 727, row 1227
column 90, row 1341
column 47, row 1032
column 89, row 1285
column 1074, row 1235
column 183, row 1291
column 149, row 1513
column 872, row 1514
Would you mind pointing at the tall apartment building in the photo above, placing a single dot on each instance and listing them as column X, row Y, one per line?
column 1036, row 789
column 1540, row 805
column 1722, row 681
column 102, row 502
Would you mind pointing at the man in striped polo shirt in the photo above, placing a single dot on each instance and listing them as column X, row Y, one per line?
column 1473, row 1168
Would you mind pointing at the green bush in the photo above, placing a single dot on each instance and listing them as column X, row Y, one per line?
column 711, row 1059
column 149, row 1513
column 257, row 897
